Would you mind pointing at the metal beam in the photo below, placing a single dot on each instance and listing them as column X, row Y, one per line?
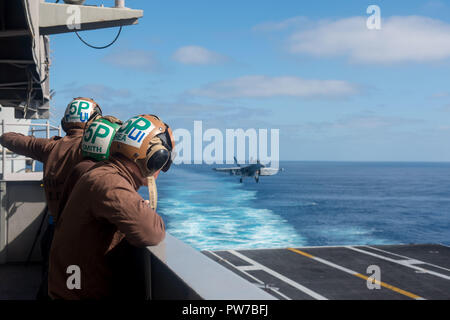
column 19, row 88
column 14, row 33
column 10, row 84
column 60, row 18
column 3, row 220
column 12, row 61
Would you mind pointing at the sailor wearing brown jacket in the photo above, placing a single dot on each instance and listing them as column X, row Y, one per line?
column 59, row 156
column 95, row 147
column 105, row 207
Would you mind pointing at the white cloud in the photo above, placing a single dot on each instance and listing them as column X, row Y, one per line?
column 264, row 86
column 356, row 123
column 141, row 60
column 401, row 39
column 441, row 94
column 374, row 122
column 197, row 56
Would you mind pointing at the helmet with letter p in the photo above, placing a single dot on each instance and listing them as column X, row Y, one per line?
column 79, row 112
column 147, row 141
column 98, row 137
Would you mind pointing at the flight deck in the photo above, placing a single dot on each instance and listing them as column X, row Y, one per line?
column 389, row 272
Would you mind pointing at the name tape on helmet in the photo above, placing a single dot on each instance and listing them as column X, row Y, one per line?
column 97, row 138
column 134, row 131
column 79, row 111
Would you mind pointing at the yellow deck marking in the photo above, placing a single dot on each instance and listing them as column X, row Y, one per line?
column 356, row 274
column 388, row 286
column 302, row 253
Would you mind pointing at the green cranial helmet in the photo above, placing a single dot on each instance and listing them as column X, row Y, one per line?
column 98, row 137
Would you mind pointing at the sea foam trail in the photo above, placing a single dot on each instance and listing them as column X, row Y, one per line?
column 211, row 213
column 309, row 204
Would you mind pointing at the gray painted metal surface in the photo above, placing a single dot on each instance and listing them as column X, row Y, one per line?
column 3, row 230
column 24, row 61
column 21, row 206
column 206, row 278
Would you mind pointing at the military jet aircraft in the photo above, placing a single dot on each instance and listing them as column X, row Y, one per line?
column 253, row 170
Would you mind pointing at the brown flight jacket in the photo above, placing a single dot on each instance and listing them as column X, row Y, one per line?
column 81, row 168
column 59, row 156
column 103, row 208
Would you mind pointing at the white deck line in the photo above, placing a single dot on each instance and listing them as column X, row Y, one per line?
column 292, row 283
column 247, row 274
column 407, row 258
column 407, row 263
column 247, row 268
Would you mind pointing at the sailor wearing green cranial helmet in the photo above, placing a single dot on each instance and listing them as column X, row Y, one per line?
column 98, row 137
column 95, row 145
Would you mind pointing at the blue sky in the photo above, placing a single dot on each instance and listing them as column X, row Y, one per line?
column 336, row 90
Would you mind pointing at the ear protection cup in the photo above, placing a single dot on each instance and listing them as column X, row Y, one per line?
column 157, row 158
column 167, row 141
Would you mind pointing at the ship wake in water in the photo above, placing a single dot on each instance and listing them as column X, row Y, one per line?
column 225, row 218
column 310, row 204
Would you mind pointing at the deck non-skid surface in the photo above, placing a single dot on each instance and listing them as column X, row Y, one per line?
column 345, row 273
column 19, row 281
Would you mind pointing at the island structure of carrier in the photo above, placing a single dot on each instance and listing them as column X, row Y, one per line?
column 174, row 270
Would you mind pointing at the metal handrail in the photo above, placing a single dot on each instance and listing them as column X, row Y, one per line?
column 48, row 129
column 52, row 127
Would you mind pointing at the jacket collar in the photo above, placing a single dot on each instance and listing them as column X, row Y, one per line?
column 130, row 168
column 75, row 132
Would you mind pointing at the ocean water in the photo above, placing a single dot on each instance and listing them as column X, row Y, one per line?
column 309, row 204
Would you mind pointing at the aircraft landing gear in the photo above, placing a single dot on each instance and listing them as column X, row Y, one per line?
column 257, row 173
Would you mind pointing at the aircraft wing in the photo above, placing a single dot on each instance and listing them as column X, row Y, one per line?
column 269, row 171
column 227, row 169
column 233, row 171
